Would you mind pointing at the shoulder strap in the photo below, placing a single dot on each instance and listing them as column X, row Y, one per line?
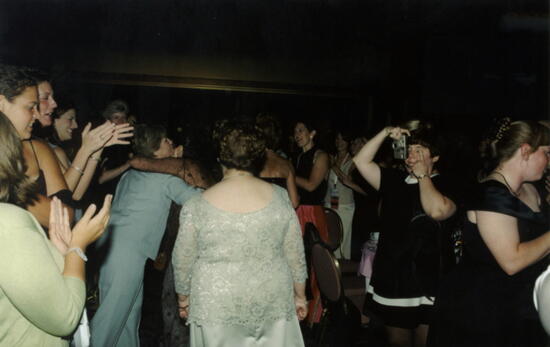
column 34, row 152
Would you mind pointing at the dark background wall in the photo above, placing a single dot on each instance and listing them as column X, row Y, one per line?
column 366, row 63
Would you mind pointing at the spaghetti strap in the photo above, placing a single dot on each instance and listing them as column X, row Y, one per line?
column 35, row 156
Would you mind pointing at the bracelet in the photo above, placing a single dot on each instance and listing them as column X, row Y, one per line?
column 79, row 170
column 421, row 176
column 78, row 252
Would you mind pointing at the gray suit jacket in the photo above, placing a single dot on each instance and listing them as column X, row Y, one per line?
column 140, row 210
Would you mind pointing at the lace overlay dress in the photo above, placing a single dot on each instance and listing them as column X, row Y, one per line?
column 238, row 270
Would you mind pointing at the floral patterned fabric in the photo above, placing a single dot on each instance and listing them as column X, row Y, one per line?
column 239, row 268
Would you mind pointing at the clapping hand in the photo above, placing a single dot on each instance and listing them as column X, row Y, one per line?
column 105, row 135
column 59, row 229
column 91, row 226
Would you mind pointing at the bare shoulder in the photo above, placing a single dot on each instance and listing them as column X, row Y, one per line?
column 321, row 155
column 42, row 147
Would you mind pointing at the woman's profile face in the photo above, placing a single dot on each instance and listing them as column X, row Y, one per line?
column 22, row 111
column 302, row 135
column 538, row 162
column 65, row 124
column 166, row 149
column 47, row 103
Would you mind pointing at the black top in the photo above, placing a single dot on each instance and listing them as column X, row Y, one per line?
column 413, row 249
column 304, row 165
column 479, row 304
column 280, row 181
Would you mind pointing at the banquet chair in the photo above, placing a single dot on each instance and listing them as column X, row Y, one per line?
column 340, row 317
column 335, row 229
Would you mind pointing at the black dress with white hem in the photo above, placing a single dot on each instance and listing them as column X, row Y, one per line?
column 413, row 251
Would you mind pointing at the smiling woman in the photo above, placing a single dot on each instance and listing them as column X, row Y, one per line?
column 18, row 101
column 79, row 171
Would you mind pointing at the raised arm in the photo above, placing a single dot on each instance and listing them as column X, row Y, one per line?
column 500, row 234
column 321, row 165
column 364, row 159
column 434, row 203
column 110, row 174
column 170, row 166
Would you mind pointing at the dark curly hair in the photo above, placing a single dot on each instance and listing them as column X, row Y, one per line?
column 14, row 80
column 424, row 133
column 242, row 146
column 15, row 187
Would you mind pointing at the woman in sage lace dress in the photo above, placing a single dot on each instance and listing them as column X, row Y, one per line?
column 238, row 261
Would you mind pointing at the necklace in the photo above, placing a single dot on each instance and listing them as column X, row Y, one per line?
column 241, row 174
column 507, row 184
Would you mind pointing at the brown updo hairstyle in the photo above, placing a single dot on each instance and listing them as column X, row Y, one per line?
column 15, row 187
column 507, row 136
column 242, row 146
column 147, row 139
column 270, row 127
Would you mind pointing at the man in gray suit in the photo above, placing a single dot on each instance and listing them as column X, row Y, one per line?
column 138, row 220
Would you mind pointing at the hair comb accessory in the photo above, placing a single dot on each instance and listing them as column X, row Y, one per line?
column 503, row 127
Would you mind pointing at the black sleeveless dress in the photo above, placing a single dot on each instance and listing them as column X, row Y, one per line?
column 304, row 164
column 479, row 304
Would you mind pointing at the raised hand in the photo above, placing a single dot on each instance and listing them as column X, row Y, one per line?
column 420, row 161
column 59, row 229
column 396, row 132
column 178, row 152
column 95, row 139
column 91, row 227
column 120, row 132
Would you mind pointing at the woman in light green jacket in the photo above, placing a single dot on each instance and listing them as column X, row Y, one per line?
column 42, row 289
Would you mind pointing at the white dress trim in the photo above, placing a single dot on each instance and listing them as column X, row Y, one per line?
column 401, row 302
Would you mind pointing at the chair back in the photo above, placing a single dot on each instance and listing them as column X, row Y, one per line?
column 327, row 270
column 335, row 229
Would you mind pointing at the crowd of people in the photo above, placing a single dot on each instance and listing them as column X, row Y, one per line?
column 455, row 264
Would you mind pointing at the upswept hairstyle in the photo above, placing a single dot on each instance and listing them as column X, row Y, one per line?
column 507, row 136
column 14, row 80
column 115, row 106
column 242, row 147
column 147, row 139
column 270, row 127
column 15, row 187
